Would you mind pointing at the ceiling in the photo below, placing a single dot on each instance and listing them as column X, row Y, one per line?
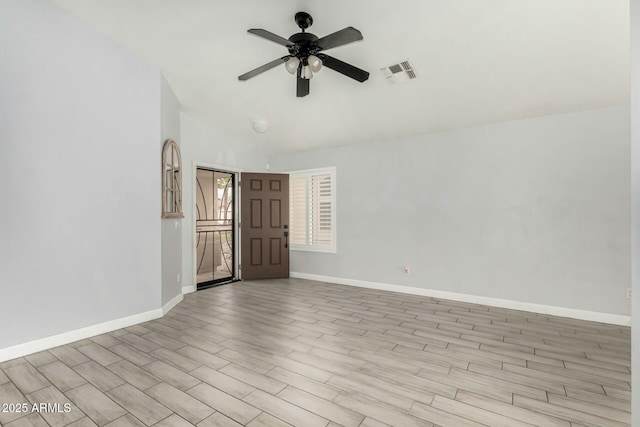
column 477, row 61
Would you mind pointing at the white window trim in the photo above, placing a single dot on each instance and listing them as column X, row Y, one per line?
column 333, row 248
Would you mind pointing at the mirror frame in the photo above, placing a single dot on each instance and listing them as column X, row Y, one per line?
column 171, row 153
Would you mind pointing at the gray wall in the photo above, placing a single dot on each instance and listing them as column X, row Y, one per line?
column 534, row 211
column 203, row 143
column 80, row 199
column 635, row 208
column 171, row 228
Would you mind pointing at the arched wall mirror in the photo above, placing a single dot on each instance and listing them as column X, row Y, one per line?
column 171, row 180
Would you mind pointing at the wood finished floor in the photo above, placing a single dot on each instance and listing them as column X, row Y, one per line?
column 302, row 353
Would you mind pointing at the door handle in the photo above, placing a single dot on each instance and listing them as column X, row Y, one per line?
column 286, row 236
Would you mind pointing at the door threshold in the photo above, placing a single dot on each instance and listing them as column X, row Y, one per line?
column 213, row 285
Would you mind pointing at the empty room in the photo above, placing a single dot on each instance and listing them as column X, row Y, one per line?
column 338, row 213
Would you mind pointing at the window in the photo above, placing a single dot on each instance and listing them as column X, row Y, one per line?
column 313, row 210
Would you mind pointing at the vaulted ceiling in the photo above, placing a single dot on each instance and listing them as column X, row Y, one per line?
column 477, row 62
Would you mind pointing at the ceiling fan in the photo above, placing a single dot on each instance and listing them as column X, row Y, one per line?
column 305, row 53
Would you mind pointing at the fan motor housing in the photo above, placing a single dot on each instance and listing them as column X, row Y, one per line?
column 305, row 44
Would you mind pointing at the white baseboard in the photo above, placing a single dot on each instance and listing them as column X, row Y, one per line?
column 188, row 289
column 88, row 332
column 594, row 316
column 175, row 301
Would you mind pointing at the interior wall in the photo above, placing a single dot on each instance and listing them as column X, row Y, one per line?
column 80, row 223
column 205, row 144
column 635, row 210
column 171, row 228
column 534, row 211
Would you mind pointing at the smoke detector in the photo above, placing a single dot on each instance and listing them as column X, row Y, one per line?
column 400, row 72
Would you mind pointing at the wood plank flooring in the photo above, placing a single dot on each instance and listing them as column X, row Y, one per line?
column 303, row 353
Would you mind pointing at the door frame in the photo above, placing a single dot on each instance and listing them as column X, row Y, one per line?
column 236, row 217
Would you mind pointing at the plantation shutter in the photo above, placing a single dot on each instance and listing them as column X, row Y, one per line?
column 312, row 210
column 321, row 207
column 299, row 210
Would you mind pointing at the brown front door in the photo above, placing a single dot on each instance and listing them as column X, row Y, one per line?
column 264, row 226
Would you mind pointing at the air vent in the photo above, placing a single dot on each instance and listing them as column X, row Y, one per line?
column 401, row 72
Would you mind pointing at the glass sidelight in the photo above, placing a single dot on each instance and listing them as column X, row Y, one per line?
column 215, row 238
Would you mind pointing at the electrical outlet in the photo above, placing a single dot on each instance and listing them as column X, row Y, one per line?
column 628, row 293
column 406, row 270
column 178, row 278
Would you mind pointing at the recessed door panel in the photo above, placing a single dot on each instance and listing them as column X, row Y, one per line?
column 256, row 184
column 275, row 251
column 275, row 215
column 256, row 251
column 256, row 213
column 275, row 185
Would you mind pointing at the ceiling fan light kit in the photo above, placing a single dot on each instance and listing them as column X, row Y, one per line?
column 306, row 54
column 292, row 65
column 314, row 63
column 306, row 73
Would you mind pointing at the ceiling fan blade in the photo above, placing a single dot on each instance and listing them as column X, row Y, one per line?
column 339, row 38
column 270, row 36
column 263, row 68
column 303, row 87
column 344, row 68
